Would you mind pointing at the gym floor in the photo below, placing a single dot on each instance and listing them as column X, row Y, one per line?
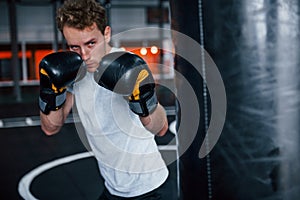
column 55, row 167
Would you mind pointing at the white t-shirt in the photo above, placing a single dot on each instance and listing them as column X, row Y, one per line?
column 127, row 154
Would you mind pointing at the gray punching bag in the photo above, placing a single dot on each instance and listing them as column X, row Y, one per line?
column 255, row 45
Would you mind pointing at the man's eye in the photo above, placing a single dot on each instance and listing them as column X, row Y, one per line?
column 74, row 47
column 92, row 43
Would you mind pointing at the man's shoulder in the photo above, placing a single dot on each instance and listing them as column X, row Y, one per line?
column 115, row 49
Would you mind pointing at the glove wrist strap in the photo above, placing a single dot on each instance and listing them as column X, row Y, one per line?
column 51, row 102
column 144, row 107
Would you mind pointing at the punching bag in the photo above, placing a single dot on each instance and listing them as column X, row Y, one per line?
column 255, row 45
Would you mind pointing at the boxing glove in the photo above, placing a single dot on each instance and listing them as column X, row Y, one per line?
column 128, row 74
column 57, row 71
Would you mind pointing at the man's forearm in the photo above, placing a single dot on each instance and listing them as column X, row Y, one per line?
column 53, row 122
column 156, row 122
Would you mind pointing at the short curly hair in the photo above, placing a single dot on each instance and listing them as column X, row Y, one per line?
column 81, row 14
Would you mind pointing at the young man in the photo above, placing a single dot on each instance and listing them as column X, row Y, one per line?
column 120, row 126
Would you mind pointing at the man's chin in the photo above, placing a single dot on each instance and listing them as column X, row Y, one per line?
column 91, row 70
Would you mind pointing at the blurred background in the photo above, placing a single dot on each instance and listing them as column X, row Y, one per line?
column 255, row 46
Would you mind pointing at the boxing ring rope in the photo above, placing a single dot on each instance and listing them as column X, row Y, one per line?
column 15, row 122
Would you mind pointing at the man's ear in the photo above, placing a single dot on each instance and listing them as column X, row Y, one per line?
column 107, row 34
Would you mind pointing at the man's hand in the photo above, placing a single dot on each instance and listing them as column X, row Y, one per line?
column 57, row 71
column 128, row 74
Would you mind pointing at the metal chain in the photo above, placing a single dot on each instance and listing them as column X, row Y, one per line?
column 208, row 161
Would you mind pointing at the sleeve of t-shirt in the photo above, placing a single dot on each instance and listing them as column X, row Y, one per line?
column 70, row 89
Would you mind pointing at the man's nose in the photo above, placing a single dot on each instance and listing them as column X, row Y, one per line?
column 84, row 54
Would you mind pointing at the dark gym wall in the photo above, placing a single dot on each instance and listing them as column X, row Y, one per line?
column 255, row 45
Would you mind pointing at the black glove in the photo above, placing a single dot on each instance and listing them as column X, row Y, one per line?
column 57, row 71
column 128, row 74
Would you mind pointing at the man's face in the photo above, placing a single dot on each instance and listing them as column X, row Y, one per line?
column 90, row 43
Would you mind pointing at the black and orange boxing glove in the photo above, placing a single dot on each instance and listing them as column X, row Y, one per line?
column 128, row 74
column 57, row 71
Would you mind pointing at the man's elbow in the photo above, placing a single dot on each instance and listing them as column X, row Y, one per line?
column 50, row 130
